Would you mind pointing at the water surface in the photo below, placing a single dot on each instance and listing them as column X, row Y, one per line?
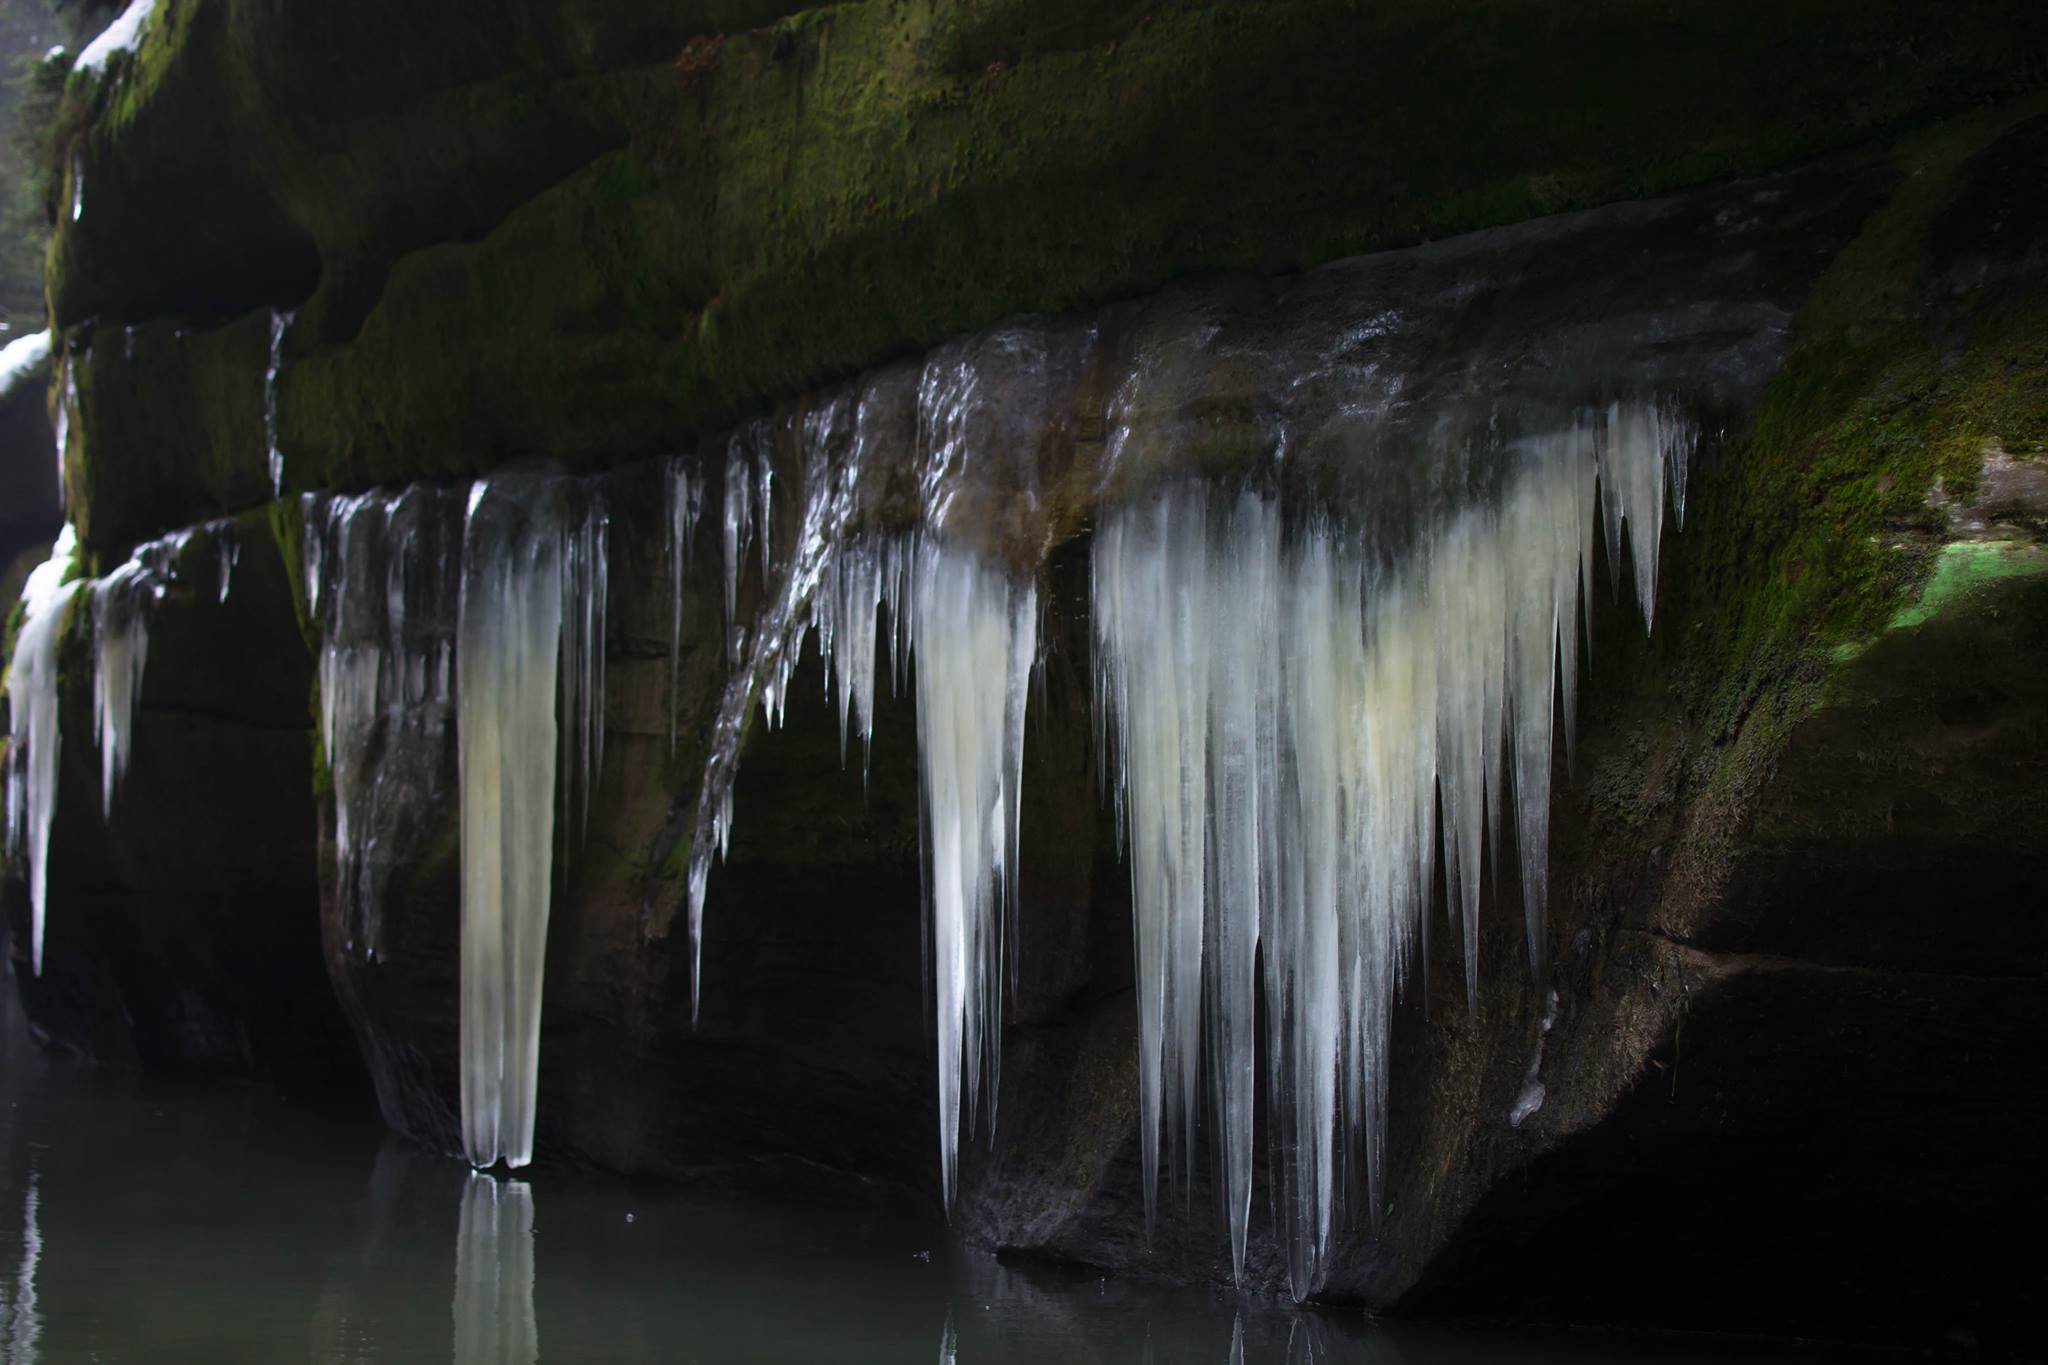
column 145, row 1221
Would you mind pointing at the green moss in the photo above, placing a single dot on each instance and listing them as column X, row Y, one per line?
column 695, row 238
column 1806, row 539
column 1964, row 567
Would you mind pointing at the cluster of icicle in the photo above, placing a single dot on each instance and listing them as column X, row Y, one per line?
column 121, row 606
column 1289, row 705
column 512, row 584
column 972, row 626
column 382, row 576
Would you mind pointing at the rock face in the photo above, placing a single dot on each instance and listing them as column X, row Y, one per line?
column 1780, row 1044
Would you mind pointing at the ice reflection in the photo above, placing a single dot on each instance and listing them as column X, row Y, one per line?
column 1001, row 1313
column 494, row 1322
column 21, row 1323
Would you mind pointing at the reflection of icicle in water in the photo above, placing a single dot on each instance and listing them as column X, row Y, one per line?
column 974, row 633
column 122, row 603
column 33, row 750
column 381, row 575
column 1288, row 704
column 532, row 630
column 494, row 1319
column 21, row 1320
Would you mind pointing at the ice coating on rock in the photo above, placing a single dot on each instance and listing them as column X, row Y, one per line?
column 20, row 359
column 1288, row 699
column 974, row 633
column 122, row 36
column 382, row 572
column 227, row 551
column 35, row 737
column 66, row 406
column 280, row 323
column 122, row 604
column 531, row 637
column 494, row 1317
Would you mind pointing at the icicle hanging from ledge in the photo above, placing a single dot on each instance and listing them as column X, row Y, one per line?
column 122, row 603
column 974, row 633
column 531, row 632
column 1288, row 702
column 35, row 737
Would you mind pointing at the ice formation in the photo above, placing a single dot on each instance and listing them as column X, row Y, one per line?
column 974, row 632
column 20, row 359
column 123, row 36
column 683, row 487
column 280, row 323
column 382, row 572
column 494, row 1318
column 969, row 620
column 121, row 607
column 1289, row 702
column 35, row 737
column 532, row 627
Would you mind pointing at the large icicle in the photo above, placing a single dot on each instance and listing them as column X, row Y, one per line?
column 975, row 634
column 531, row 633
column 1288, row 702
column 35, row 737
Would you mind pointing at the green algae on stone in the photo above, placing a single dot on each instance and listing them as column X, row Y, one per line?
column 1965, row 566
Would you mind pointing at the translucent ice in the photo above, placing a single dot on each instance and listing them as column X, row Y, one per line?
column 35, row 737
column 1290, row 699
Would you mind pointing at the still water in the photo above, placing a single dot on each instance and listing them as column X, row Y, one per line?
column 146, row 1222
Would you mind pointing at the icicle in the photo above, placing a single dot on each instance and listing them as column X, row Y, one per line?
column 739, row 529
column 531, row 637
column 280, row 323
column 227, row 552
column 974, row 634
column 67, row 405
column 122, row 603
column 1286, row 708
column 684, row 486
column 382, row 579
column 765, row 657
column 35, row 737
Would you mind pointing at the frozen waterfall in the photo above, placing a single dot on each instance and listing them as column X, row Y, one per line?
column 532, row 626
column 35, row 737
column 1289, row 702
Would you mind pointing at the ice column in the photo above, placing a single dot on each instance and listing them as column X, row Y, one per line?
column 35, row 739
column 531, row 631
column 1288, row 703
